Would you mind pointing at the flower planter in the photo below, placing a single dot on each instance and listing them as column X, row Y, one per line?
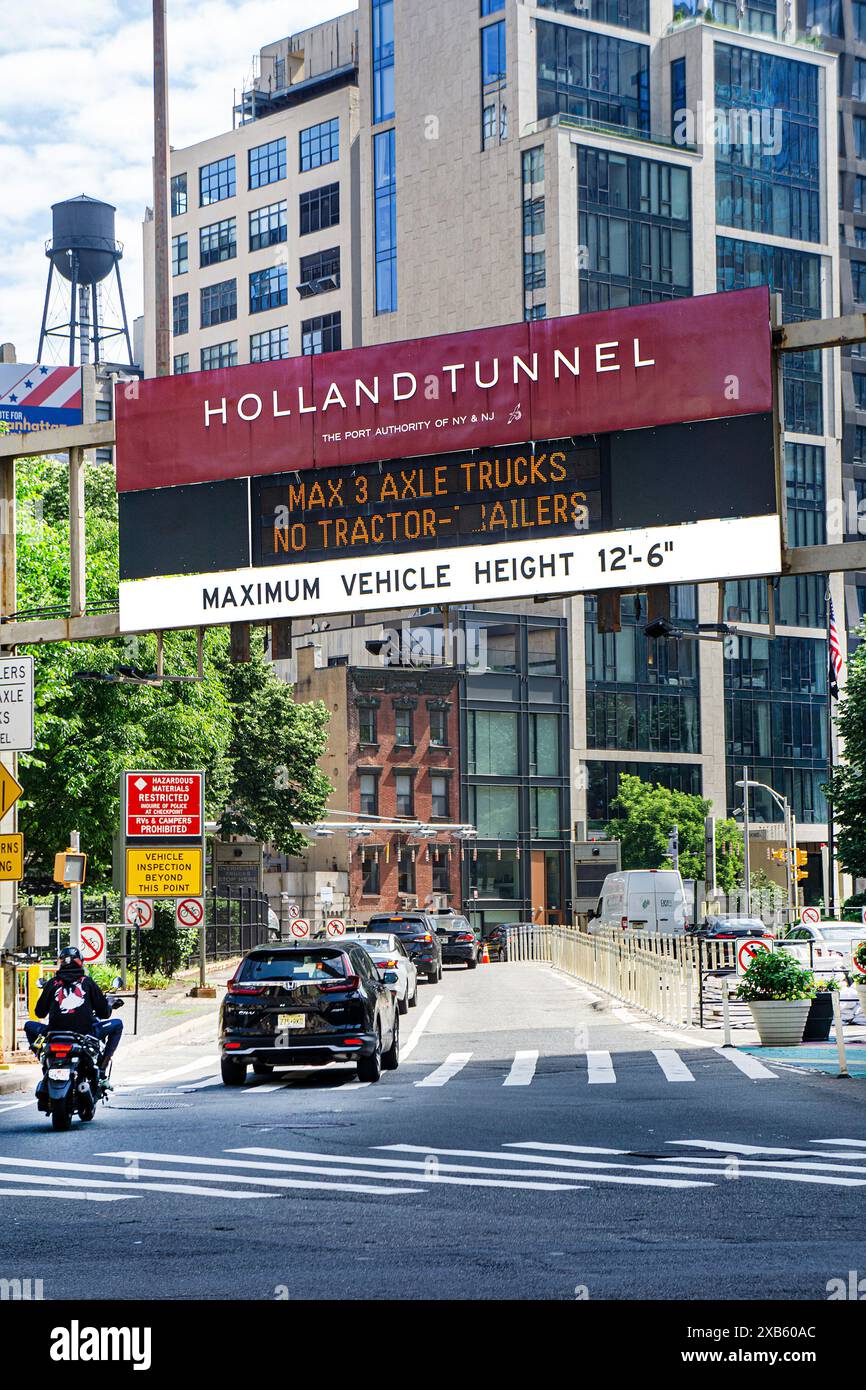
column 780, row 1022
column 820, row 1017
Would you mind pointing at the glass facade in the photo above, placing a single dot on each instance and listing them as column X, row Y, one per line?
column 796, row 275
column 385, row 220
column 635, row 226
column 768, row 176
column 629, row 14
column 383, row 60
column 593, row 76
column 603, row 782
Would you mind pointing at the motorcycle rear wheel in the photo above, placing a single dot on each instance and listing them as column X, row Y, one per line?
column 61, row 1119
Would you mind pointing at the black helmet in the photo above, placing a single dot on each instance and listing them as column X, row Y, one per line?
column 70, row 956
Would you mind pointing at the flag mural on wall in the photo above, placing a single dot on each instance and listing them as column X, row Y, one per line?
column 834, row 651
column 33, row 397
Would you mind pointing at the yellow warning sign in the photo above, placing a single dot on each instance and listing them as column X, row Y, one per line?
column 11, row 857
column 164, row 873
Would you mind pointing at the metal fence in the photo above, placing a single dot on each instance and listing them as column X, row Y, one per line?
column 235, row 922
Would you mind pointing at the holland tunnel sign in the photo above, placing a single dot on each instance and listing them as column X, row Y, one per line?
column 512, row 460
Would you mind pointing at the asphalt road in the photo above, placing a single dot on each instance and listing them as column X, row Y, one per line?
column 532, row 1145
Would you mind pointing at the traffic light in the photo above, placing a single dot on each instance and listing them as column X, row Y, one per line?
column 780, row 855
column 801, row 859
column 70, row 868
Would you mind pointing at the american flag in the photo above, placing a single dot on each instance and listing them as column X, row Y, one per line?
column 834, row 651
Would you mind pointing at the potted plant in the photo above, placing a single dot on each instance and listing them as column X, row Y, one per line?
column 820, row 1017
column 860, row 974
column 779, row 992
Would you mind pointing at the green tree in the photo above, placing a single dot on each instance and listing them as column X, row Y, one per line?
column 643, row 816
column 848, row 782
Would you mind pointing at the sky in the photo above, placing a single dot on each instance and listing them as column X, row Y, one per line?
column 76, row 116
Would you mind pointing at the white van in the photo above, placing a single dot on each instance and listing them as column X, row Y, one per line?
column 641, row 900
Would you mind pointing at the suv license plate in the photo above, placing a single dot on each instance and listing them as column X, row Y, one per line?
column 290, row 1021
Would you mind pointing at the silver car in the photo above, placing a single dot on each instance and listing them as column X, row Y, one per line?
column 825, row 946
column 391, row 958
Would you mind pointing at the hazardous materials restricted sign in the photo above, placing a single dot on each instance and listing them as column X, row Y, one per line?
column 170, row 872
column 164, row 805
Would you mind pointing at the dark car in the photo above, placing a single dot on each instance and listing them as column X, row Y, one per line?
column 306, row 1005
column 460, row 943
column 418, row 932
column 724, row 928
column 497, row 938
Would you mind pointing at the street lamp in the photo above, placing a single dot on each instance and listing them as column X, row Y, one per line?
column 784, row 806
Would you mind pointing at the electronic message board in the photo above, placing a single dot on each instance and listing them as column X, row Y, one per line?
column 675, row 484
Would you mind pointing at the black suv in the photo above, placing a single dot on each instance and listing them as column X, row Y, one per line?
column 306, row 1005
column 418, row 932
column 460, row 941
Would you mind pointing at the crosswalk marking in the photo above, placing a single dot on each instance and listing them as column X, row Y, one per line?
column 454, row 1062
column 673, row 1065
column 747, row 1064
column 408, row 1047
column 599, row 1068
column 522, row 1069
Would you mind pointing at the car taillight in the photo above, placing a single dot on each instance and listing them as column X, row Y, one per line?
column 426, row 937
column 248, row 989
column 350, row 982
column 387, row 965
column 623, row 922
column 467, row 936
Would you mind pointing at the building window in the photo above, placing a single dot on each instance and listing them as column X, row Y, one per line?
column 635, row 224
column 492, row 743
column 370, row 880
column 858, row 281
column 181, row 363
column 439, row 796
column 494, row 874
column 439, row 728
column 534, row 270
column 269, row 346
column 825, row 15
column 545, row 815
column 368, row 724
column 320, row 144
column 220, row 355
column 494, row 73
column 678, row 95
column 629, row 14
column 219, row 303
column 385, row 220
column 404, row 784
column 590, row 75
column 216, row 181
column 403, row 727
column 268, row 226
column 859, row 193
column 603, row 783
column 495, row 811
column 491, row 6
column 858, row 12
column 859, row 455
column 218, row 242
column 320, row 272
column 180, row 254
column 405, row 871
column 269, row 288
column 180, row 314
column 323, row 334
column 320, row 208
column 493, row 57
column 544, row 745
column 368, row 786
column 383, row 60
column 441, row 873
column 179, row 200
column 267, row 163
column 858, row 79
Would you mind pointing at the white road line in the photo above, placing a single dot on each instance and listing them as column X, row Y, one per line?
column 40, row 1179
column 561, row 1148
column 747, row 1064
column 408, row 1047
column 199, row 1085
column 800, row 1164
column 454, row 1062
column 860, row 1143
column 745, row 1170
column 70, row 1196
column 758, row 1149
column 673, row 1066
column 599, row 1068
column 202, row 1064
column 522, row 1069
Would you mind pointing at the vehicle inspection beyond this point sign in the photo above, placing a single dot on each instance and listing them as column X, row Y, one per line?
column 336, row 927
column 747, row 951
column 810, row 916
column 164, row 872
column 138, row 912
column 163, row 805
column 16, row 704
column 190, row 912
column 299, row 927
column 93, row 943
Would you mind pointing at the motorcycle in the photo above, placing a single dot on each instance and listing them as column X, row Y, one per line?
column 71, row 1080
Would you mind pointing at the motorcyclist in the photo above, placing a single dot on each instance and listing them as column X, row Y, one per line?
column 73, row 1002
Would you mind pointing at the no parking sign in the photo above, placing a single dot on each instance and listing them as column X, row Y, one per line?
column 747, row 951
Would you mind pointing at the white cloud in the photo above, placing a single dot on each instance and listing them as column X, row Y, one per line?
column 76, row 117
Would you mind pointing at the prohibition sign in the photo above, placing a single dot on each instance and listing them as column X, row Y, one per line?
column 138, row 912
column 336, row 927
column 855, row 947
column 747, row 951
column 810, row 916
column 190, row 912
column 299, row 927
column 92, row 944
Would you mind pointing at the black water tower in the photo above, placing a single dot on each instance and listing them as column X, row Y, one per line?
column 83, row 251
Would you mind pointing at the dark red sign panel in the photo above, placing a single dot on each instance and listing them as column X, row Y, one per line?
column 687, row 359
column 164, row 804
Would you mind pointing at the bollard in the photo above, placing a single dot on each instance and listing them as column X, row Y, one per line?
column 840, row 1034
column 726, row 1011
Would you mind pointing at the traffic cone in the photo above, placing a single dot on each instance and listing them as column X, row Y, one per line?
column 485, row 955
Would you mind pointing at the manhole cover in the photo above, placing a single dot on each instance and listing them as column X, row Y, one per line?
column 148, row 1103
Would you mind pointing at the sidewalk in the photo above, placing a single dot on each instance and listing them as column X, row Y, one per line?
column 162, row 1014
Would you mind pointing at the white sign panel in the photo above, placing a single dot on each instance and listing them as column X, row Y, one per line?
column 93, row 944
column 138, row 912
column 16, row 704
column 702, row 550
column 748, row 951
